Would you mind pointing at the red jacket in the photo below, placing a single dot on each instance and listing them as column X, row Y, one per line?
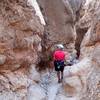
column 59, row 55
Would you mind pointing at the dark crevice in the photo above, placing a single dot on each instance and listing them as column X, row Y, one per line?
column 80, row 36
column 45, row 57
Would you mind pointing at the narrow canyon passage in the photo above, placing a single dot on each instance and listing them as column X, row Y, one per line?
column 29, row 33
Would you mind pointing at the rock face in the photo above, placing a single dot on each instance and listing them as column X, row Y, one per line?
column 60, row 17
column 91, row 47
column 55, row 26
column 59, row 24
column 20, row 43
column 19, row 37
column 75, row 78
column 23, row 38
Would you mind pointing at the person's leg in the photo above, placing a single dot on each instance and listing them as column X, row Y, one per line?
column 61, row 75
column 58, row 75
column 62, row 70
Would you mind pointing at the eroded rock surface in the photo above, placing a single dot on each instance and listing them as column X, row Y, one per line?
column 60, row 24
column 21, row 36
column 20, row 43
column 91, row 47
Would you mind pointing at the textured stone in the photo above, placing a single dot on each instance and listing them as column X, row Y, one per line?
column 35, row 92
column 34, row 74
column 91, row 47
column 18, row 24
column 14, row 85
column 96, row 54
column 60, row 24
column 75, row 77
column 2, row 59
column 21, row 36
column 20, row 43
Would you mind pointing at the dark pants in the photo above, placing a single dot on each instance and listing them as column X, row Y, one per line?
column 59, row 65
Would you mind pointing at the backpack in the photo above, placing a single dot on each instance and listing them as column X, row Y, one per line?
column 60, row 64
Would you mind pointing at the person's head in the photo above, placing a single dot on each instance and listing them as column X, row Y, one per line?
column 60, row 46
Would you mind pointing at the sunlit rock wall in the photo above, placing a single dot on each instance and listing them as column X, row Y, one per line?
column 91, row 47
column 20, row 43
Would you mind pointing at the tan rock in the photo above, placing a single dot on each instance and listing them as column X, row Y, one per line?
column 91, row 46
column 96, row 54
column 16, row 30
column 75, row 77
column 2, row 59
column 60, row 24
column 17, row 23
column 72, row 86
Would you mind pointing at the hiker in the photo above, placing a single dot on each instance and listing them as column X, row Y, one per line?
column 59, row 57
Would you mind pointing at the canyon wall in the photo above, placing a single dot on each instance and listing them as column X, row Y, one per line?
column 20, row 43
column 60, row 17
column 26, row 38
column 91, row 47
column 88, row 31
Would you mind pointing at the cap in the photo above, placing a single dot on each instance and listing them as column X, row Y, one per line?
column 60, row 46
